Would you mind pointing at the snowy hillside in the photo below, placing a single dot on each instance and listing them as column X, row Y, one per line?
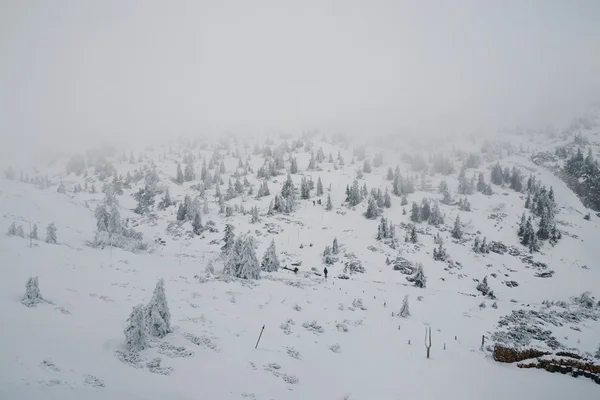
column 344, row 337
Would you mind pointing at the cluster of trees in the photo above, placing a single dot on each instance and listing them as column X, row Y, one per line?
column 401, row 186
column 112, row 230
column 41, row 181
column 540, row 201
column 356, row 194
column 440, row 253
column 481, row 246
column 153, row 319
column 14, row 230
column 582, row 175
column 330, row 254
column 427, row 212
column 240, row 256
column 512, row 177
column 418, row 279
column 386, row 230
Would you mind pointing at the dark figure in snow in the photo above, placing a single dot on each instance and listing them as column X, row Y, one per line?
column 319, row 201
column 313, row 202
column 296, row 270
column 325, row 272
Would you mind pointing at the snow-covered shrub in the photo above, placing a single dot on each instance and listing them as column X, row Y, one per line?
column 585, row 300
column 419, row 280
column 358, row 303
column 136, row 332
column 270, row 262
column 12, row 229
column 336, row 348
column 297, row 307
column 158, row 317
column 342, row 327
column 352, row 264
column 32, row 292
column 313, row 326
column 51, row 233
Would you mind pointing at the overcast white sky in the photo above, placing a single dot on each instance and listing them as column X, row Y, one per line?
column 75, row 70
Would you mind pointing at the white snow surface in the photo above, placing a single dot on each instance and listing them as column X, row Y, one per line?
column 65, row 347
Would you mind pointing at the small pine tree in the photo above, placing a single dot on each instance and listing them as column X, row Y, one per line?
column 415, row 213
column 270, row 262
column 228, row 238
column 158, row 317
column 457, row 229
column 335, row 249
column 405, row 310
column 413, row 235
column 12, row 229
column 254, row 215
column 372, row 210
column 51, row 233
column 34, row 232
column 179, row 176
column 136, row 332
column 329, row 205
column 197, row 224
column 319, row 187
column 387, row 200
column 32, row 292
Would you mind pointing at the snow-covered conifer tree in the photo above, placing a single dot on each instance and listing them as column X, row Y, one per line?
column 270, row 262
column 335, row 249
column 12, row 229
column 229, row 239
column 457, row 229
column 51, row 233
column 319, row 187
column 32, row 292
column 329, row 205
column 158, row 317
column 249, row 267
column 179, row 176
column 197, row 224
column 34, row 232
column 136, row 331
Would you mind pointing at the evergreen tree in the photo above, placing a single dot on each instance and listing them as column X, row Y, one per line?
column 457, row 229
column 387, row 201
column 481, row 185
column 425, row 210
column 294, row 166
column 33, row 295
column 312, row 163
column 61, row 188
column 270, row 262
column 136, row 332
column 181, row 212
column 328, row 256
column 254, row 215
column 488, row 190
column 222, row 167
column 329, row 205
column 228, row 238
column 405, row 310
column 497, row 176
column 114, row 221
column 34, row 232
column 12, row 229
column 476, row 245
column 335, row 249
column 435, row 215
column 440, row 254
column 166, row 201
column 197, row 224
column 157, row 315
column 179, row 178
column 304, row 189
column 404, row 200
column 418, row 279
column 51, row 233
column 372, row 210
column 390, row 174
column 415, row 213
column 366, row 167
column 319, row 187
column 249, row 265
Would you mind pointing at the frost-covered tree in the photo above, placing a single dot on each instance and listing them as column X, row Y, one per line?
column 304, row 189
column 179, row 177
column 197, row 224
column 51, row 233
column 12, row 229
column 319, row 187
column 136, row 331
column 387, row 201
column 249, row 267
column 366, row 167
column 254, row 215
column 404, row 200
column 329, row 205
column 32, row 292
column 328, row 257
column 415, row 214
column 335, row 249
column 390, row 174
column 405, row 310
column 34, row 232
column 440, row 253
column 457, row 232
column 229, row 239
column 435, row 215
column 418, row 279
column 372, row 209
column 222, row 167
column 294, row 166
column 189, row 174
column 157, row 315
column 270, row 261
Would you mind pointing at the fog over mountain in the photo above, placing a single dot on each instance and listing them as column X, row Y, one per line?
column 75, row 72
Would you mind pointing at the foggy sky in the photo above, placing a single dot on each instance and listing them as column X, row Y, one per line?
column 76, row 71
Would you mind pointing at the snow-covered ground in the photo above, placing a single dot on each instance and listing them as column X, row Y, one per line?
column 68, row 346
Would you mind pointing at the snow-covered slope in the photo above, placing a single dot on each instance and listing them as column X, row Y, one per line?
column 71, row 345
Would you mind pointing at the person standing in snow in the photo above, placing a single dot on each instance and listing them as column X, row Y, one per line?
column 325, row 272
